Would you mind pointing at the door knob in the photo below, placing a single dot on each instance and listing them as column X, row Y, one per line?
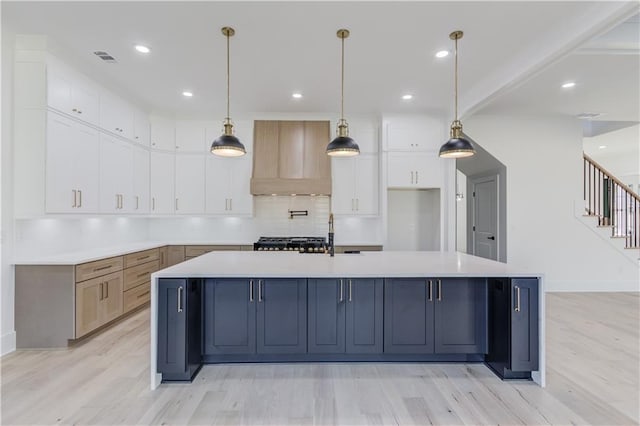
column 491, row 238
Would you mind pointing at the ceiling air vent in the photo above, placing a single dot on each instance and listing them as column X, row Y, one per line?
column 104, row 56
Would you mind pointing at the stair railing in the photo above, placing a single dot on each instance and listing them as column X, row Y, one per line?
column 611, row 201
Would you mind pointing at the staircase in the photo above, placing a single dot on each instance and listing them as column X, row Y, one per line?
column 615, row 208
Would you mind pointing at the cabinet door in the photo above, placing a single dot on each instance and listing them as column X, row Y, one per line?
column 163, row 253
column 141, row 128
column 461, row 315
column 400, row 173
column 366, row 185
column 163, row 134
column 326, row 315
column 112, row 306
column 524, row 324
column 365, row 133
column 265, row 139
column 414, row 133
column 190, row 137
column 116, row 116
column 408, row 316
column 282, row 316
column 315, row 161
column 85, row 103
column 429, row 170
column 72, row 166
column 218, row 180
column 175, row 255
column 88, row 300
column 139, row 200
column 116, row 175
column 190, row 178
column 229, row 316
column 342, row 186
column 172, row 326
column 162, row 182
column 240, row 198
column 364, row 315
column 59, row 90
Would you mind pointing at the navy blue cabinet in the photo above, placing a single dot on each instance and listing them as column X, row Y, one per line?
column 282, row 316
column 229, row 316
column 442, row 316
column 460, row 315
column 179, row 328
column 345, row 316
column 408, row 316
column 513, row 327
column 249, row 316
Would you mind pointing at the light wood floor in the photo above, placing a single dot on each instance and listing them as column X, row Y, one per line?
column 593, row 358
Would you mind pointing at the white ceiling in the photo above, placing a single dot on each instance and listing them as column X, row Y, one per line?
column 282, row 47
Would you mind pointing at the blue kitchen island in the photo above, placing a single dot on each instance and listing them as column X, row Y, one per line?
column 227, row 307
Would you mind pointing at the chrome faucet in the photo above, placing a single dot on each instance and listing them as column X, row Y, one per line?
column 331, row 246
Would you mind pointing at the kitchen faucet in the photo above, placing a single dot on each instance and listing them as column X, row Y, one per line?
column 331, row 247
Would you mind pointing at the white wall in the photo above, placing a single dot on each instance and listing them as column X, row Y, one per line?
column 543, row 156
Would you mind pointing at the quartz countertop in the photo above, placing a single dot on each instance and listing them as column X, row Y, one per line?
column 366, row 264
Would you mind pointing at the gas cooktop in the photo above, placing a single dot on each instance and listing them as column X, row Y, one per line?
column 299, row 244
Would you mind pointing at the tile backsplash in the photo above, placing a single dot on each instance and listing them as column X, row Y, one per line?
column 273, row 218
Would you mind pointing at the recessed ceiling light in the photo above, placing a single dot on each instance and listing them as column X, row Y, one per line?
column 187, row 94
column 568, row 85
column 407, row 97
column 142, row 49
column 297, row 95
column 442, row 54
column 602, row 147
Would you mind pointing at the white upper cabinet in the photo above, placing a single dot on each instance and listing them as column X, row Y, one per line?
column 72, row 179
column 163, row 134
column 139, row 200
column 116, row 175
column 116, row 116
column 162, row 166
column 415, row 170
column 141, row 128
column 71, row 94
column 190, row 136
column 413, row 133
column 190, row 177
column 355, row 185
column 227, row 186
column 365, row 133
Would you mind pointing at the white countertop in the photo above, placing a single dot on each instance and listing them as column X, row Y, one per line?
column 367, row 264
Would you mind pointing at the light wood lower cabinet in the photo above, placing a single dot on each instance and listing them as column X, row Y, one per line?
column 137, row 296
column 175, row 255
column 98, row 301
column 163, row 252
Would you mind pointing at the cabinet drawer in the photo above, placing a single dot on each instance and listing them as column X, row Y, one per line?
column 140, row 257
column 98, row 268
column 195, row 251
column 137, row 296
column 139, row 274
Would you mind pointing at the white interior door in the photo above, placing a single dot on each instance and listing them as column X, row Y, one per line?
column 485, row 217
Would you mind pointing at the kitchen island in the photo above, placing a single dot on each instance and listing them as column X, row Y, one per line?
column 374, row 306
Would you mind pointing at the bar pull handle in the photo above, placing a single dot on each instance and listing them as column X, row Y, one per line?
column 117, row 201
column 101, row 291
column 439, row 290
column 75, row 196
column 153, row 203
column 176, row 204
column 137, row 202
column 350, row 291
column 106, row 287
column 357, row 204
column 517, row 299
column 162, row 257
column 180, row 299
column 430, row 290
column 231, row 204
column 79, row 198
column 416, row 176
column 259, row 290
column 341, row 291
column 250, row 290
column 412, row 177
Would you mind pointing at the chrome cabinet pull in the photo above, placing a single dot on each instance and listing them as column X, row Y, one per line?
column 250, row 290
column 349, row 290
column 75, row 195
column 259, row 290
column 430, row 290
column 341, row 291
column 439, row 290
column 517, row 299
column 180, row 299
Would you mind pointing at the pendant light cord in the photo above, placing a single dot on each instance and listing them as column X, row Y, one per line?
column 455, row 90
column 342, row 84
column 228, row 76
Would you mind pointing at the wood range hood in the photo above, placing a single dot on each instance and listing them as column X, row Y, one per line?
column 289, row 157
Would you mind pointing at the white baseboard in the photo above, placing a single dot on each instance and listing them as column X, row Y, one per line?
column 8, row 343
column 591, row 286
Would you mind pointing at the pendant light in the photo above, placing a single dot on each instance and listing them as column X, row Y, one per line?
column 227, row 145
column 342, row 145
column 457, row 146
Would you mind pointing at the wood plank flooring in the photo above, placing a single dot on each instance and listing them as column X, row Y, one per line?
column 593, row 349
